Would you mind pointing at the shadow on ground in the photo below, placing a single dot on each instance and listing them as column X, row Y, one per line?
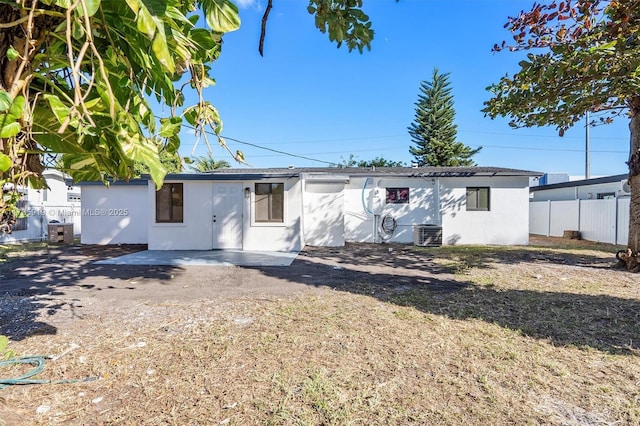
column 393, row 273
column 31, row 283
column 409, row 277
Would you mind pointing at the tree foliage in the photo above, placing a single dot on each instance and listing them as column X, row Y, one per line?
column 207, row 163
column 352, row 161
column 171, row 162
column 433, row 130
column 589, row 62
column 79, row 80
column 587, row 58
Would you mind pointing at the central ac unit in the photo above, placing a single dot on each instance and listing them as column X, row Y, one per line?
column 427, row 235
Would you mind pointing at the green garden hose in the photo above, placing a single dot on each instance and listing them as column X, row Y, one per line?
column 25, row 379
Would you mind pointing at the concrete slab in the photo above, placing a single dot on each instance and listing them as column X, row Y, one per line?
column 204, row 257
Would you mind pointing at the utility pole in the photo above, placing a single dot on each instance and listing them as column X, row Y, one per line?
column 587, row 159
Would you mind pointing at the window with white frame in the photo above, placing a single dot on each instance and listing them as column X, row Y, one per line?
column 269, row 202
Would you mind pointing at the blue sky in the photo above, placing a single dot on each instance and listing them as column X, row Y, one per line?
column 308, row 98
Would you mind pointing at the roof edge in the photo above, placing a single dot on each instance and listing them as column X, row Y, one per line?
column 581, row 182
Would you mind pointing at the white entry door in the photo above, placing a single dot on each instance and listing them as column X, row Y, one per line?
column 227, row 215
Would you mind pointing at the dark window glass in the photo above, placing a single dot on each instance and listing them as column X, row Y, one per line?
column 269, row 203
column 478, row 198
column 169, row 203
column 397, row 195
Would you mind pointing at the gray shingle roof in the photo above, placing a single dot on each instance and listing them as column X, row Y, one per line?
column 233, row 173
column 255, row 174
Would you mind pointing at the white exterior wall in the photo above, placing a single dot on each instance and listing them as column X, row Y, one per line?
column 324, row 223
column 323, row 214
column 285, row 236
column 359, row 216
column 507, row 221
column 196, row 230
column 583, row 192
column 114, row 215
column 421, row 209
column 358, row 223
column 555, row 194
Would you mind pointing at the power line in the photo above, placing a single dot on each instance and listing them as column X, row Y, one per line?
column 278, row 151
column 262, row 147
column 308, row 158
column 537, row 136
column 548, row 149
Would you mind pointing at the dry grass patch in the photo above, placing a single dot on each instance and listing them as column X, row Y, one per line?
column 527, row 336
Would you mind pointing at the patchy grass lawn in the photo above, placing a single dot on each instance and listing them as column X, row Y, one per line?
column 525, row 335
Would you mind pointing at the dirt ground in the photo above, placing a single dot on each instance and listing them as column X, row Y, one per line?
column 50, row 289
column 362, row 334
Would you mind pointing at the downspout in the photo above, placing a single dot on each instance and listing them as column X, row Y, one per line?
column 438, row 206
column 376, row 217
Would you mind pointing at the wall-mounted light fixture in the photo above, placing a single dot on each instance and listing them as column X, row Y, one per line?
column 247, row 192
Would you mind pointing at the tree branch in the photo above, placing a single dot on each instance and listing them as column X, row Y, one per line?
column 263, row 30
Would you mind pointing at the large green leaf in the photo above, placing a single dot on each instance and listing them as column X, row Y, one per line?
column 156, row 7
column 45, row 132
column 5, row 162
column 92, row 6
column 146, row 152
column 146, row 23
column 134, row 5
column 5, row 100
column 161, row 49
column 170, row 126
column 10, row 129
column 59, row 109
column 222, row 15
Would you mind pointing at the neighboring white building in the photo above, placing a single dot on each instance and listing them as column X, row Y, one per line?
column 286, row 209
column 586, row 189
column 59, row 202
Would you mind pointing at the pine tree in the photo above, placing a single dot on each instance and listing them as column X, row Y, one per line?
column 433, row 130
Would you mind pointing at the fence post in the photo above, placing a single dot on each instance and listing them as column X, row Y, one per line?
column 548, row 218
column 579, row 215
column 615, row 224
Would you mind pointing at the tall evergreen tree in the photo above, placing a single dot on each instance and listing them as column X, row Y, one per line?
column 433, row 130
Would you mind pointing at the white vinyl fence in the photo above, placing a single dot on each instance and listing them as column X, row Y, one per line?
column 33, row 226
column 605, row 221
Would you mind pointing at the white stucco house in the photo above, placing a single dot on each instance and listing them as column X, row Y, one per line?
column 286, row 209
column 59, row 202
